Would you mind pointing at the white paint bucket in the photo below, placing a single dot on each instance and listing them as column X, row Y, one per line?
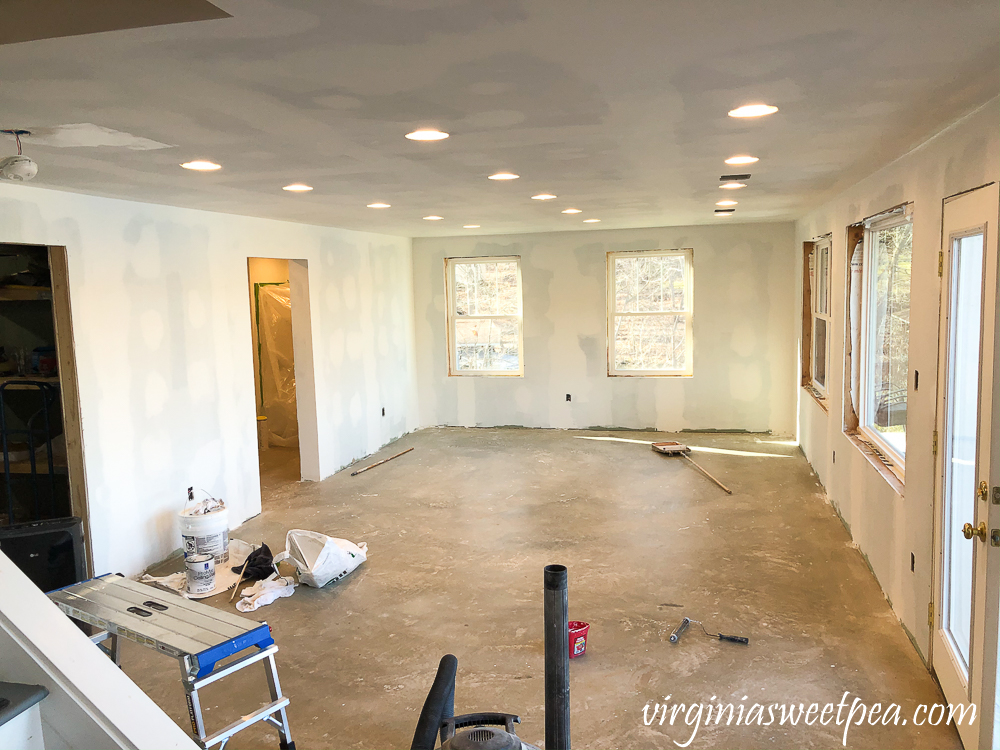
column 200, row 573
column 206, row 533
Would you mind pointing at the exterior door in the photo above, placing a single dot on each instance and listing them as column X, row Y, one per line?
column 964, row 654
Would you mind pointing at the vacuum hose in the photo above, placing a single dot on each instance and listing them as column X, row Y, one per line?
column 556, row 658
column 440, row 705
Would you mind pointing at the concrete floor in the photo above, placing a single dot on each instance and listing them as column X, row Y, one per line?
column 459, row 531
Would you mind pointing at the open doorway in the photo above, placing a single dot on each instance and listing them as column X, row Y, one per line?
column 282, row 361
column 44, row 518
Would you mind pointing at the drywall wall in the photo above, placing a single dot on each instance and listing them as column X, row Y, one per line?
column 744, row 334
column 888, row 526
column 91, row 702
column 161, row 320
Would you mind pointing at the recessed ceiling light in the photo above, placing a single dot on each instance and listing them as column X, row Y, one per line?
column 379, row 205
column 297, row 187
column 590, row 221
column 742, row 160
column 427, row 134
column 471, row 226
column 572, row 211
column 201, row 166
column 433, row 218
column 753, row 110
column 732, row 185
column 725, row 203
column 542, row 197
column 504, row 176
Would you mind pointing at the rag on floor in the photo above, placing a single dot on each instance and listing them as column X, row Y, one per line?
column 264, row 592
column 260, row 564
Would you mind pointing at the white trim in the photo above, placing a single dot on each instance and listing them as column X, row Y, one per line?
column 897, row 217
column 823, row 243
column 452, row 318
column 687, row 313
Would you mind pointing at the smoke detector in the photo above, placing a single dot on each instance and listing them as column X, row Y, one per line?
column 18, row 168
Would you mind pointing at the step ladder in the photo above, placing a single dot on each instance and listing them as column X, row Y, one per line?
column 197, row 635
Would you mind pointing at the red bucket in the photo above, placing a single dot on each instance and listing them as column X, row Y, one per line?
column 578, row 638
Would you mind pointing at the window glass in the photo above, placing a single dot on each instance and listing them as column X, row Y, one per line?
column 819, row 353
column 887, row 269
column 484, row 316
column 649, row 319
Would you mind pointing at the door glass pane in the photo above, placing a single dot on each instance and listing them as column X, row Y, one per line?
column 889, row 335
column 961, row 418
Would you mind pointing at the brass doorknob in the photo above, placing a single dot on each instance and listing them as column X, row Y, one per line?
column 970, row 531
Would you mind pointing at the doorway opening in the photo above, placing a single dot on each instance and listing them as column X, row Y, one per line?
column 44, row 518
column 966, row 611
column 282, row 362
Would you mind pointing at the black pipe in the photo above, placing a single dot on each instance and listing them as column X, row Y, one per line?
column 556, row 658
column 439, row 705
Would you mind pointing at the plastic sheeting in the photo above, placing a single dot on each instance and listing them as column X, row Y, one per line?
column 277, row 364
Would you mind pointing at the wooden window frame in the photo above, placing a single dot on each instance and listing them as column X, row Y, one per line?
column 815, row 313
column 688, row 312
column 452, row 317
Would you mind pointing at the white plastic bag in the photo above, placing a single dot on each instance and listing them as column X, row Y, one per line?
column 320, row 558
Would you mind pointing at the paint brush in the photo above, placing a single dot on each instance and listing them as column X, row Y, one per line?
column 242, row 571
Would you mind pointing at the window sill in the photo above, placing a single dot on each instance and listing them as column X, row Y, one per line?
column 818, row 397
column 880, row 465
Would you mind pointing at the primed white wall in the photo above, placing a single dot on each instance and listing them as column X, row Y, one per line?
column 887, row 526
column 744, row 334
column 161, row 320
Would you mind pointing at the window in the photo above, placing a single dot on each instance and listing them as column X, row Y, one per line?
column 649, row 312
column 820, row 307
column 484, row 316
column 885, row 335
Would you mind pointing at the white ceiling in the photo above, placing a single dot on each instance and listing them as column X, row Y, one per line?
column 618, row 107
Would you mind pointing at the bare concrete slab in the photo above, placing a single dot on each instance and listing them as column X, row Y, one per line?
column 458, row 533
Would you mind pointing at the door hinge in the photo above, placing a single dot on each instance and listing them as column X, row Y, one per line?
column 941, row 263
column 934, row 446
column 930, row 615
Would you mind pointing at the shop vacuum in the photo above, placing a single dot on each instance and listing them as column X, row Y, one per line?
column 495, row 731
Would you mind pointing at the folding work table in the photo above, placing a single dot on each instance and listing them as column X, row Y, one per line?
column 197, row 635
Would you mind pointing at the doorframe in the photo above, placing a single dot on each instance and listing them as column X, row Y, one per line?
column 62, row 318
column 305, row 370
column 304, row 362
column 982, row 655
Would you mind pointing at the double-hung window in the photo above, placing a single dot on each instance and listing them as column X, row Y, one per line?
column 820, row 359
column 650, row 304
column 885, row 335
column 484, row 316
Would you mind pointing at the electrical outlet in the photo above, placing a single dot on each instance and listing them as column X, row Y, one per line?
column 569, row 397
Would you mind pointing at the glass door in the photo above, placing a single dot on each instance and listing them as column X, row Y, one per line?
column 965, row 627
